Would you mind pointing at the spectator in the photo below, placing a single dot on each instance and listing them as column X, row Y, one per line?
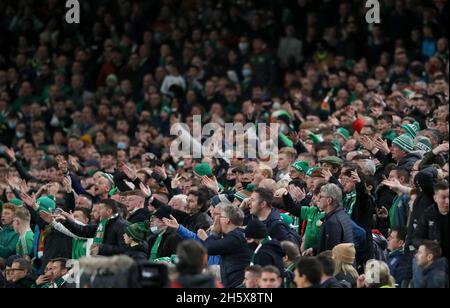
column 337, row 225
column 308, row 273
column 270, row 278
column 252, row 276
column 435, row 268
column 344, row 256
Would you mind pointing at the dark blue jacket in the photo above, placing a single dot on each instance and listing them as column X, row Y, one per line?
column 436, row 275
column 397, row 265
column 234, row 253
column 278, row 230
column 337, row 229
column 271, row 253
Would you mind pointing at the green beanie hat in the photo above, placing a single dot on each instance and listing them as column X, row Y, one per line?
column 301, row 166
column 404, row 143
column 16, row 202
column 46, row 204
column 315, row 138
column 337, row 145
column 343, row 132
column 203, row 169
column 412, row 129
column 137, row 231
column 423, row 144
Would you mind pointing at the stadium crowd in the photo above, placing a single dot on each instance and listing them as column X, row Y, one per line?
column 360, row 186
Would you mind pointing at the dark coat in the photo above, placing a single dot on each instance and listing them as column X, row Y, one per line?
column 24, row 283
column 139, row 252
column 196, row 281
column 436, row 275
column 113, row 243
column 424, row 180
column 198, row 221
column 168, row 245
column 429, row 228
column 333, row 283
column 336, row 229
column 139, row 215
column 235, row 256
column 271, row 253
column 276, row 228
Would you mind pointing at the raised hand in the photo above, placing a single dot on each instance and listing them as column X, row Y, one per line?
column 161, row 171
column 210, row 184
column 355, row 177
column 367, row 143
column 130, row 172
column 29, row 201
column 382, row 145
column 202, row 234
column 145, row 189
column 442, row 148
column 279, row 193
column 11, row 154
column 175, row 183
column 47, row 217
column 171, row 223
column 67, row 184
column 326, row 174
column 297, row 193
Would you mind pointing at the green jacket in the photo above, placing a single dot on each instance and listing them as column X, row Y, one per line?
column 8, row 242
column 24, row 245
column 312, row 215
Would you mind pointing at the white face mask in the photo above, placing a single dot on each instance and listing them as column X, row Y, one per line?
column 155, row 230
column 243, row 47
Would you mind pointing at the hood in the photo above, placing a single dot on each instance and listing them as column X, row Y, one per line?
column 274, row 246
column 424, row 180
column 197, row 281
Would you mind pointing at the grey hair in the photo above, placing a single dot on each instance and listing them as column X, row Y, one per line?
column 233, row 213
column 332, row 191
column 369, row 167
column 182, row 198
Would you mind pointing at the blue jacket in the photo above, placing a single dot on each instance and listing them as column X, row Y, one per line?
column 397, row 262
column 186, row 234
column 436, row 275
column 336, row 229
column 235, row 256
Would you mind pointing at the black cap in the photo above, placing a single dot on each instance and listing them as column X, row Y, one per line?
column 255, row 229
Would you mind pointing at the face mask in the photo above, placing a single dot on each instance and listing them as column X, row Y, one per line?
column 12, row 125
column 121, row 145
column 246, row 72
column 283, row 128
column 243, row 47
column 252, row 246
column 20, row 135
column 231, row 183
column 155, row 230
column 245, row 184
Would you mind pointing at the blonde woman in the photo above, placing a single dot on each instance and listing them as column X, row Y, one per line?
column 344, row 256
column 376, row 275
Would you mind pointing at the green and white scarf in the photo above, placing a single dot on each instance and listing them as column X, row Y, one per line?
column 264, row 241
column 155, row 247
column 100, row 234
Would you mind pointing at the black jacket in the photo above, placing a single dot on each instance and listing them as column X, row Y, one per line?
column 139, row 215
column 234, row 253
column 276, row 228
column 333, row 283
column 113, row 243
column 24, row 283
column 168, row 245
column 56, row 244
column 406, row 162
column 139, row 252
column 271, row 253
column 429, row 228
column 436, row 275
column 336, row 229
column 424, row 181
column 198, row 221
column 195, row 281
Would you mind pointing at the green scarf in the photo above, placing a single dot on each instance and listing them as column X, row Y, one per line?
column 349, row 202
column 78, row 248
column 155, row 247
column 394, row 205
column 264, row 241
column 100, row 234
